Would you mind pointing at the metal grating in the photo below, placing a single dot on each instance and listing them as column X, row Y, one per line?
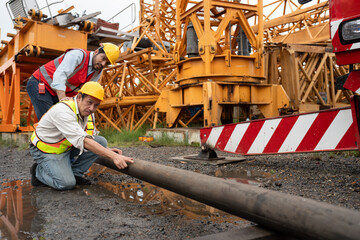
column 17, row 8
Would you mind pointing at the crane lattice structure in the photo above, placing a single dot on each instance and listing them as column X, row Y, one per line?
column 181, row 65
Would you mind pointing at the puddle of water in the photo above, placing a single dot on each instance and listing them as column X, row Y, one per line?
column 242, row 175
column 18, row 218
column 159, row 201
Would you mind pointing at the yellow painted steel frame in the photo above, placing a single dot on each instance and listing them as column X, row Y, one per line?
column 219, row 78
column 133, row 87
column 12, row 206
column 164, row 12
column 10, row 97
column 214, row 35
column 308, row 74
column 35, row 44
column 302, row 25
column 242, row 68
column 48, row 38
column 213, row 96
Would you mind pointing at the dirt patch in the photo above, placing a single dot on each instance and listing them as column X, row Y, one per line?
column 96, row 212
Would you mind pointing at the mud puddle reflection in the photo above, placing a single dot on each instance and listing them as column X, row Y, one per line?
column 19, row 201
column 242, row 176
column 159, row 201
column 18, row 216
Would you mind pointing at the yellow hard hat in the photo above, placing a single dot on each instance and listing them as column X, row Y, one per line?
column 93, row 89
column 112, row 52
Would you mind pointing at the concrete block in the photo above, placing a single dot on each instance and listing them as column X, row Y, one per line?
column 181, row 135
column 19, row 138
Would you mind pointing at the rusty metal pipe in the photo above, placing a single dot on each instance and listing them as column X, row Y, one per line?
column 281, row 212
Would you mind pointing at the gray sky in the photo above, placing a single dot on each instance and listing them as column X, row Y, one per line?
column 108, row 9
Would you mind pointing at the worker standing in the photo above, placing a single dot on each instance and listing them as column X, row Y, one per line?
column 65, row 144
column 61, row 78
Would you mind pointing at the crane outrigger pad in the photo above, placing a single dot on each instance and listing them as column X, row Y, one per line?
column 209, row 156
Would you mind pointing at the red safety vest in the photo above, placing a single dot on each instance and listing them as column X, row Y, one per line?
column 46, row 73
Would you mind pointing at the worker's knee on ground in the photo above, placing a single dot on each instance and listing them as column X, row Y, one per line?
column 101, row 140
column 65, row 184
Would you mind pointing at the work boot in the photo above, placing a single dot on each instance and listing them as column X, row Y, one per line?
column 82, row 181
column 34, row 181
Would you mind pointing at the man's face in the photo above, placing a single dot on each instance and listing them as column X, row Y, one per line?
column 99, row 60
column 87, row 105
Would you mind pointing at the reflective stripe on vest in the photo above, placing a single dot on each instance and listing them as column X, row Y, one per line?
column 56, row 148
column 90, row 126
column 63, row 145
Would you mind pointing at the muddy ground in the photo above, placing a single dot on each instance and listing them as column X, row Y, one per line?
column 97, row 212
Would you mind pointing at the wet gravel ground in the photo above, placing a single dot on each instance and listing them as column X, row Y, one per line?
column 89, row 212
column 330, row 177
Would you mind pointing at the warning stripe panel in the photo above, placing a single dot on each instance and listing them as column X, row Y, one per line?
column 214, row 135
column 347, row 140
column 249, row 136
column 297, row 133
column 225, row 136
column 320, row 131
column 334, row 26
column 352, row 82
column 280, row 134
column 204, row 134
column 264, row 135
column 236, row 136
column 316, row 131
column 336, row 131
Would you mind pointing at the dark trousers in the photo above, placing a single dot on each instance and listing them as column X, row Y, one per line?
column 41, row 102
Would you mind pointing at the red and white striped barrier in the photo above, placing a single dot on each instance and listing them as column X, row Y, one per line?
column 330, row 130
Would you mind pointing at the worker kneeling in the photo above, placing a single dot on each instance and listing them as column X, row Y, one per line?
column 64, row 144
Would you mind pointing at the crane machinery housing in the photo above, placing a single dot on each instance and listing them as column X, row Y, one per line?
column 327, row 130
column 188, row 63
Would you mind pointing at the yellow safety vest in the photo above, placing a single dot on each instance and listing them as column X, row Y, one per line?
column 63, row 145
